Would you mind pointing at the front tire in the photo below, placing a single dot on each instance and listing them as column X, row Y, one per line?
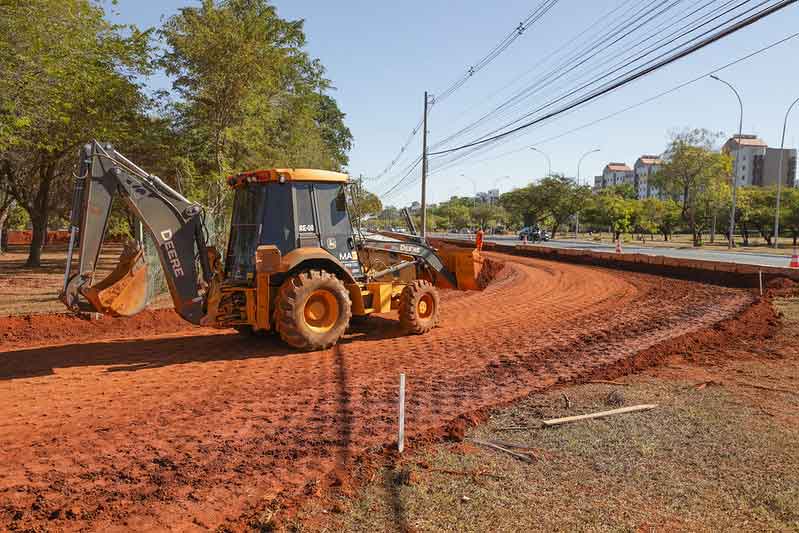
column 419, row 307
column 312, row 310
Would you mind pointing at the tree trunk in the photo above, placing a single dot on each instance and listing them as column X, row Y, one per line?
column 713, row 230
column 696, row 238
column 39, row 226
column 4, row 211
column 39, row 212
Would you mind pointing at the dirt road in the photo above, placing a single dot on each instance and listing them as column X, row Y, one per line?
column 197, row 429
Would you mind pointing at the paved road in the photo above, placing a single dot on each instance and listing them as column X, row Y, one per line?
column 745, row 258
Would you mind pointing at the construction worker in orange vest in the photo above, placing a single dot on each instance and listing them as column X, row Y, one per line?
column 478, row 240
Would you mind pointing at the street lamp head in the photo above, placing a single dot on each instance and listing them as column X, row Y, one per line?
column 715, row 77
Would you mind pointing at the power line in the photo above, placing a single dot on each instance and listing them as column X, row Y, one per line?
column 635, row 105
column 632, row 76
column 562, row 70
column 533, row 17
column 640, row 19
column 629, row 62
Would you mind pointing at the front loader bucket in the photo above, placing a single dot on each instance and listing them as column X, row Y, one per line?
column 465, row 264
column 124, row 291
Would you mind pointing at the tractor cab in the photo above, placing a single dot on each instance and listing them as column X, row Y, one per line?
column 290, row 209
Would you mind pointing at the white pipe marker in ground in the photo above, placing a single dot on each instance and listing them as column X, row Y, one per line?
column 401, row 437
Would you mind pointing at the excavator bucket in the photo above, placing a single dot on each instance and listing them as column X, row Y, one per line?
column 124, row 291
column 466, row 264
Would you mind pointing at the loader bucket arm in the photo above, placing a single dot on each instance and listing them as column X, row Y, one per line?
column 174, row 223
column 452, row 267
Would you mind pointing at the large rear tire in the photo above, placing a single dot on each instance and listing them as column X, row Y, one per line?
column 312, row 310
column 419, row 307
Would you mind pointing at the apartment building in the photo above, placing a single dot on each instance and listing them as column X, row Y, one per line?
column 644, row 169
column 617, row 174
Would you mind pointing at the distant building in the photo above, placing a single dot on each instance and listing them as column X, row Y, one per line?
column 748, row 153
column 617, row 174
column 645, row 167
column 759, row 164
column 489, row 197
column 771, row 165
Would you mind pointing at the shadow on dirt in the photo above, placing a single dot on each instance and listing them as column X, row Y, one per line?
column 131, row 355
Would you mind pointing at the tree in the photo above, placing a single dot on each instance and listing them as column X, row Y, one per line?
column 789, row 212
column 250, row 96
column 554, row 200
column 66, row 76
column 693, row 169
column 608, row 209
column 361, row 202
column 525, row 205
column 757, row 210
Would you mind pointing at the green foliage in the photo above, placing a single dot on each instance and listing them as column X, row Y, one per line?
column 694, row 173
column 245, row 95
column 361, row 202
column 551, row 201
column 611, row 210
column 755, row 210
column 789, row 212
column 66, row 76
column 250, row 96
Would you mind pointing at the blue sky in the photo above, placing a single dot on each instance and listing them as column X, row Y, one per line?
column 382, row 56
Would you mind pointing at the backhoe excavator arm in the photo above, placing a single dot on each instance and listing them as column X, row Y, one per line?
column 174, row 223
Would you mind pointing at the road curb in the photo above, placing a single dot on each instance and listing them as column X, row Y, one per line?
column 706, row 271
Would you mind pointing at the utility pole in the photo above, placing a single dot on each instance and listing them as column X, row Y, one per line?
column 424, row 170
column 779, row 175
column 731, row 243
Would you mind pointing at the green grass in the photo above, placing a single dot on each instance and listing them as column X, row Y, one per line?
column 719, row 458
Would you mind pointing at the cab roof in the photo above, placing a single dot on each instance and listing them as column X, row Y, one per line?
column 283, row 175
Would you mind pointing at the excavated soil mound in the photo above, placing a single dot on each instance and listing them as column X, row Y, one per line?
column 489, row 271
column 212, row 430
column 34, row 330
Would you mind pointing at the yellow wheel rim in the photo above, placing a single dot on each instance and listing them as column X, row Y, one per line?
column 426, row 306
column 321, row 311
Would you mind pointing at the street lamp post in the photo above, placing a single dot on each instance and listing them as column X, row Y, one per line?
column 549, row 161
column 577, row 215
column 731, row 243
column 779, row 174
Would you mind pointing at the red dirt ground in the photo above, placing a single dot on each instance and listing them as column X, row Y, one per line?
column 206, row 429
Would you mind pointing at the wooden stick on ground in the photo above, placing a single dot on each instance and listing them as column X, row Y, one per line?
column 521, row 456
column 601, row 414
column 607, row 382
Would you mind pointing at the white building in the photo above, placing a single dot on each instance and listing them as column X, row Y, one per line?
column 617, row 174
column 645, row 167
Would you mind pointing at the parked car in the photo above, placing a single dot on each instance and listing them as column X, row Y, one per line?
column 533, row 234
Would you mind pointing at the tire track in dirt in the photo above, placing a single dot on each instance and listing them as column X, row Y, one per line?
column 200, row 430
